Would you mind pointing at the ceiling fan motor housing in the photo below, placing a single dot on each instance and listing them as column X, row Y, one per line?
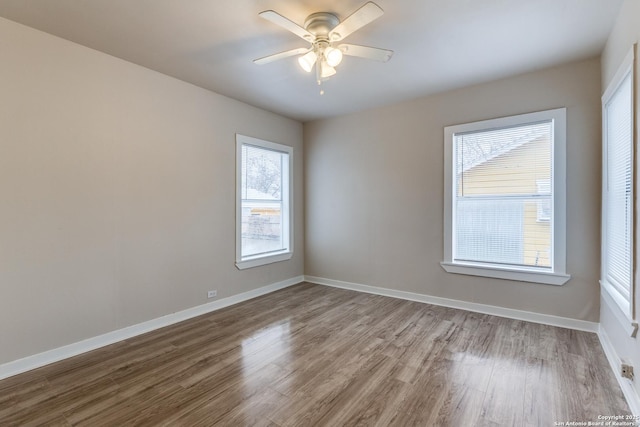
column 320, row 24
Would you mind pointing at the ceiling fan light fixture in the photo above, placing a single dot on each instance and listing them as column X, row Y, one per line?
column 322, row 29
column 326, row 70
column 333, row 56
column 307, row 60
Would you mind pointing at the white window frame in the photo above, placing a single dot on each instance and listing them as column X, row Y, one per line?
column 624, row 309
column 287, row 211
column 557, row 275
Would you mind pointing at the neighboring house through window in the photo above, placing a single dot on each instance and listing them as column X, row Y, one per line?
column 544, row 204
column 504, row 198
column 263, row 217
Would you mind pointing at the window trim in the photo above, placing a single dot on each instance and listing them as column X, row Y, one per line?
column 558, row 275
column 287, row 197
column 625, row 308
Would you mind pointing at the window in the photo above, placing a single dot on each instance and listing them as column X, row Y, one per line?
column 617, row 188
column 544, row 204
column 505, row 198
column 263, row 211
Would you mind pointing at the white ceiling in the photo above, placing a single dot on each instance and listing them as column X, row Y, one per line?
column 439, row 44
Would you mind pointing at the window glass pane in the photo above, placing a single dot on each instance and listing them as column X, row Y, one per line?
column 261, row 227
column 504, row 161
column 263, row 178
column 261, row 173
column 502, row 231
column 544, row 204
column 503, row 196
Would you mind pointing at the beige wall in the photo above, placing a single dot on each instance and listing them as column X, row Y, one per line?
column 117, row 192
column 625, row 33
column 374, row 192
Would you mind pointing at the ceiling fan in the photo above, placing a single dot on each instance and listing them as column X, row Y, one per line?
column 324, row 30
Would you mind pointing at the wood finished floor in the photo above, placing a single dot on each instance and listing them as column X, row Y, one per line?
column 314, row 355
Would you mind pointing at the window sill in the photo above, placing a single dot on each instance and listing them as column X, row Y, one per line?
column 506, row 273
column 263, row 260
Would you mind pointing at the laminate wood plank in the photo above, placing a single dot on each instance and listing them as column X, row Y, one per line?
column 468, row 370
column 22, row 394
column 409, row 334
column 607, row 400
column 504, row 398
column 510, row 341
column 543, row 394
column 545, row 342
column 577, row 342
column 140, row 360
column 321, row 388
column 252, row 404
column 48, row 420
column 121, row 408
column 252, row 411
column 421, row 408
column 312, row 362
column 461, row 407
column 194, row 362
column 208, row 405
column 425, row 351
column 166, row 333
column 484, row 339
column 589, row 388
column 400, row 324
column 315, row 355
column 354, row 396
column 53, row 402
column 468, row 320
column 380, row 406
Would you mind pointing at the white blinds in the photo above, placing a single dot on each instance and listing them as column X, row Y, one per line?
column 618, row 191
column 503, row 196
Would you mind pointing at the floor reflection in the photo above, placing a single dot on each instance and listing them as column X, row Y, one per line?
column 265, row 346
column 263, row 355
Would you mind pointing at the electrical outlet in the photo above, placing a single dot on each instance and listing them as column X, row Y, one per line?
column 627, row 371
column 212, row 294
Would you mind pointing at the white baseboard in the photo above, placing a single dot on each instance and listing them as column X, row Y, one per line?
column 546, row 319
column 38, row 360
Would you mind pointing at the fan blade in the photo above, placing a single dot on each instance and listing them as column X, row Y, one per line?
column 285, row 23
column 374, row 53
column 358, row 19
column 281, row 55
